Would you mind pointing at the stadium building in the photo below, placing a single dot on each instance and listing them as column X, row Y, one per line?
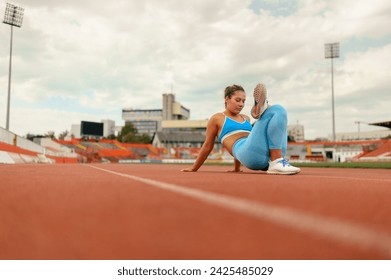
column 168, row 127
column 149, row 121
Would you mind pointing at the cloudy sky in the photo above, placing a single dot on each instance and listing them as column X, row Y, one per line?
column 87, row 60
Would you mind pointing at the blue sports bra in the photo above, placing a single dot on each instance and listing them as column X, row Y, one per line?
column 231, row 127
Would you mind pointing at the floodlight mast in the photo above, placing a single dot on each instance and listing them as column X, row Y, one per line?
column 14, row 17
column 332, row 51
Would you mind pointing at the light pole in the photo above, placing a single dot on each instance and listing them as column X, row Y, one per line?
column 332, row 51
column 14, row 17
column 358, row 124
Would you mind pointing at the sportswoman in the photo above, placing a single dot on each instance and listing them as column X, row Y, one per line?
column 258, row 147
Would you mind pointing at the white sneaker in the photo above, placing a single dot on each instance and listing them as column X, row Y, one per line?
column 282, row 166
column 260, row 101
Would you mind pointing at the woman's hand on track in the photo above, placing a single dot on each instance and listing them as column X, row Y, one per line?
column 188, row 170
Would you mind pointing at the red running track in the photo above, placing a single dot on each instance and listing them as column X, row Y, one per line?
column 112, row 211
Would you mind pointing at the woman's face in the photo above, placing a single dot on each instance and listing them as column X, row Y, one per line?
column 235, row 104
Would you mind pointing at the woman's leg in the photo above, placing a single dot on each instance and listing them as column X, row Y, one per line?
column 265, row 147
column 267, row 139
column 276, row 131
column 278, row 141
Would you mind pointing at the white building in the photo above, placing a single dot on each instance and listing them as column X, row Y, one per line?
column 108, row 128
column 149, row 121
column 76, row 130
column 297, row 132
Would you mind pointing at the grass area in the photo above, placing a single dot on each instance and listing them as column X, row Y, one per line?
column 381, row 165
column 375, row 165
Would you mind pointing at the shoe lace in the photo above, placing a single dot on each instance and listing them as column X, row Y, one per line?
column 284, row 162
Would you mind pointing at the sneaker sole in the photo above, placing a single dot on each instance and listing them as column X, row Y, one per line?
column 282, row 173
column 260, row 96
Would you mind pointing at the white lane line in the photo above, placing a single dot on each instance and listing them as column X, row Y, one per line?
column 353, row 234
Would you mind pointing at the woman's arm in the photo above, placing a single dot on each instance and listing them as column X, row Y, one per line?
column 207, row 147
column 237, row 165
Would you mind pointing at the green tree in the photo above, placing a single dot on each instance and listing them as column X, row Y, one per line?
column 63, row 135
column 30, row 136
column 144, row 138
column 50, row 134
column 111, row 137
column 129, row 134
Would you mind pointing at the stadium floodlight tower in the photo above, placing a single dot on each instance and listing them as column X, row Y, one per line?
column 14, row 17
column 332, row 51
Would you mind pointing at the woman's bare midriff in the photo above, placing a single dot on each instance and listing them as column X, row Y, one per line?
column 230, row 140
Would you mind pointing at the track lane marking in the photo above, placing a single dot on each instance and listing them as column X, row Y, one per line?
column 346, row 232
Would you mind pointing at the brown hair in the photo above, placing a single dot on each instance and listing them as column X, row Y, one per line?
column 230, row 90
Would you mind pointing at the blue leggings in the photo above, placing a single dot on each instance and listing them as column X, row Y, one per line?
column 268, row 132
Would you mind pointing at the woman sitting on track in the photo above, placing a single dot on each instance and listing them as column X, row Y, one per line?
column 258, row 147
